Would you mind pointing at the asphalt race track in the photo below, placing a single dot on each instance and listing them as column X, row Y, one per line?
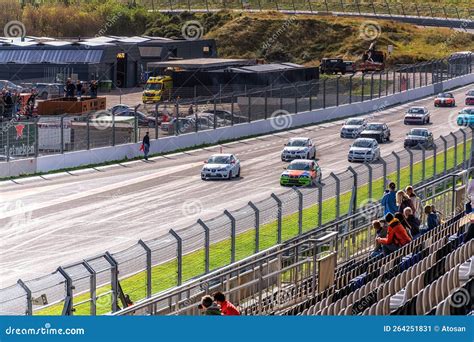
column 59, row 219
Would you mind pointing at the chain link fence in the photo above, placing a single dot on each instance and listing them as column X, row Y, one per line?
column 109, row 282
column 64, row 133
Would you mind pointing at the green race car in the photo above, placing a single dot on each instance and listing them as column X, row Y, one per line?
column 301, row 172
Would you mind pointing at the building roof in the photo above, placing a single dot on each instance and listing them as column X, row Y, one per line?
column 201, row 63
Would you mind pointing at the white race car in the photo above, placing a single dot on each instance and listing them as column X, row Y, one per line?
column 364, row 150
column 298, row 148
column 221, row 166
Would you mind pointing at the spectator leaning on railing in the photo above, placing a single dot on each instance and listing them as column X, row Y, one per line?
column 227, row 308
column 389, row 201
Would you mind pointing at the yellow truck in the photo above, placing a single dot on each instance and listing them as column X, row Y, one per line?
column 157, row 89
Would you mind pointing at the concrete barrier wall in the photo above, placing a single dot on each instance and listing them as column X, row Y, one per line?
column 174, row 143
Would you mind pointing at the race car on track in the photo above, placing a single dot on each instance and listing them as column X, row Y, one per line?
column 417, row 115
column 221, row 166
column 469, row 100
column 353, row 127
column 298, row 148
column 419, row 137
column 466, row 117
column 301, row 172
column 444, row 100
column 377, row 131
column 364, row 150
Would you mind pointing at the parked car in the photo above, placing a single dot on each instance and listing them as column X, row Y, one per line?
column 377, row 131
column 469, row 100
column 419, row 137
column 227, row 116
column 332, row 66
column 49, row 90
column 364, row 150
column 417, row 115
column 143, row 119
column 466, row 117
column 6, row 84
column 221, row 166
column 184, row 125
column 353, row 127
column 350, row 66
column 120, row 108
column 298, row 148
column 445, row 100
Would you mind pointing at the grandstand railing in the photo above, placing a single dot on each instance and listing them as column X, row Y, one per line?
column 60, row 134
column 281, row 276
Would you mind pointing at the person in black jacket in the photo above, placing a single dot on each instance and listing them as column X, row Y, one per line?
column 470, row 232
column 146, row 145
column 413, row 221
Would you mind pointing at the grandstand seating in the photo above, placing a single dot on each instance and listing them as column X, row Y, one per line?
column 416, row 279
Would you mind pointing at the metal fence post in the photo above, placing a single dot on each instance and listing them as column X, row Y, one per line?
column 29, row 298
column 257, row 226
column 384, row 168
column 207, row 244
column 300, row 210
column 62, row 134
column 423, row 163
column 380, row 84
column 394, row 85
column 7, row 152
column 397, row 158
column 92, row 287
column 435, row 153
column 114, row 281
column 135, row 125
column 232, row 235
column 337, row 90
column 214, row 121
column 179, row 253
column 68, row 303
column 371, row 85
column 324, row 93
column 249, row 104
column 410, row 153
column 350, row 88
column 445, row 143
column 362, row 89
column 88, row 133
column 369, row 167
column 320, row 204
column 148, row 267
column 279, row 213
column 266, row 104
column 338, row 194
column 455, row 149
column 36, row 138
column 310, row 95
column 354, row 175
column 464, row 149
column 113, row 129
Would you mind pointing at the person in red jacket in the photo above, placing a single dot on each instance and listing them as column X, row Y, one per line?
column 397, row 236
column 227, row 308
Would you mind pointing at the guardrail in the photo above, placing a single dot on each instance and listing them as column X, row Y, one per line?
column 66, row 133
column 390, row 8
column 100, row 284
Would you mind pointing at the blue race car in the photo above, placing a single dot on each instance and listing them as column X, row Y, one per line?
column 466, row 117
